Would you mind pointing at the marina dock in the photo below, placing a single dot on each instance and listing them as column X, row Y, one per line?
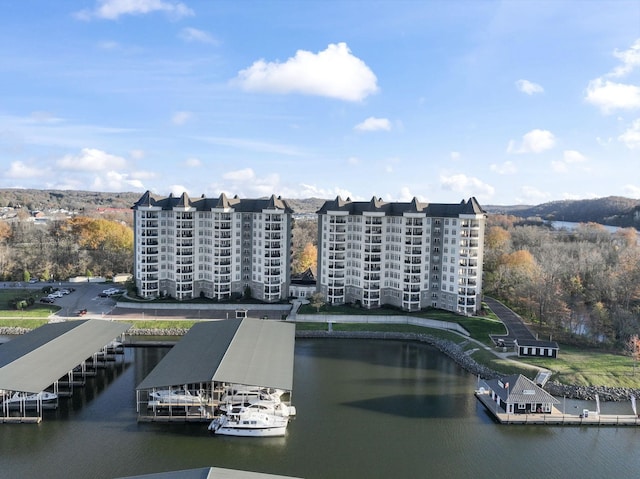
column 555, row 417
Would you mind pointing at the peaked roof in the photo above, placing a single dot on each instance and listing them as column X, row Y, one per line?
column 519, row 389
column 243, row 351
column 32, row 362
column 203, row 203
column 377, row 205
column 208, row 473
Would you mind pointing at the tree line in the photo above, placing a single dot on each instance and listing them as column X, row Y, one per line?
column 64, row 248
column 97, row 246
column 580, row 285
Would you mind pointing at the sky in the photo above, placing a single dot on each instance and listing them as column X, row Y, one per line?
column 512, row 102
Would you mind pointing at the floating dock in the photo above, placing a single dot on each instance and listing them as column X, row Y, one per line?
column 555, row 417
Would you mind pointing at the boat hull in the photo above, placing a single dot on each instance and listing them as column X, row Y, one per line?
column 249, row 425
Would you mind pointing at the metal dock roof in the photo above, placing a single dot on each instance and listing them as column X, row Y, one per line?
column 32, row 362
column 208, row 473
column 243, row 351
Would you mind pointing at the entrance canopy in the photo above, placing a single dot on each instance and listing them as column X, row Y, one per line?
column 241, row 351
column 34, row 361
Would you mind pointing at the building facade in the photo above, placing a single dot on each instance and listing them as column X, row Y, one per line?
column 216, row 248
column 410, row 255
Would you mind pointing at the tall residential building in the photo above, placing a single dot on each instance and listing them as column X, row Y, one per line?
column 410, row 255
column 212, row 247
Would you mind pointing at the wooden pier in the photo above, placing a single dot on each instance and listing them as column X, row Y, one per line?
column 556, row 417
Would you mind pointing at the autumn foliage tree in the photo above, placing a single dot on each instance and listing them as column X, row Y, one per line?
column 306, row 259
column 581, row 284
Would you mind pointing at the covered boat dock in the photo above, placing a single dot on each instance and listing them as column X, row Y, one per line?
column 209, row 473
column 53, row 357
column 212, row 355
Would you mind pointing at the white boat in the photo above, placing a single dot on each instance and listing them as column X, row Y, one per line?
column 174, row 397
column 268, row 407
column 238, row 394
column 31, row 400
column 249, row 424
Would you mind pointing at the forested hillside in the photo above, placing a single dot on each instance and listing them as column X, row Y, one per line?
column 613, row 210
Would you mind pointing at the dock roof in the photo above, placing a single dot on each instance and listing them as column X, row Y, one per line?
column 241, row 351
column 208, row 473
column 32, row 362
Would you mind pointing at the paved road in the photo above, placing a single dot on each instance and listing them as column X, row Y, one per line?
column 516, row 328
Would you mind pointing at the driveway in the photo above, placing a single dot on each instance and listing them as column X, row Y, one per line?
column 516, row 328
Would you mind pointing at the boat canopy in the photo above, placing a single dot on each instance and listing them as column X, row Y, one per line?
column 246, row 351
column 208, row 473
column 34, row 361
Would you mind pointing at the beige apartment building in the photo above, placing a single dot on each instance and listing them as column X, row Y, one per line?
column 410, row 255
column 216, row 248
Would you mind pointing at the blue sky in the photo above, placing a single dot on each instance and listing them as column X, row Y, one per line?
column 513, row 102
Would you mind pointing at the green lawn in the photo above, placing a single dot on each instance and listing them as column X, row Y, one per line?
column 591, row 367
column 37, row 310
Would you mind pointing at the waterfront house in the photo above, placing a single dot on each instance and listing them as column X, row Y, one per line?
column 517, row 394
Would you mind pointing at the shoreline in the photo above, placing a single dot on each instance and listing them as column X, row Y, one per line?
column 448, row 348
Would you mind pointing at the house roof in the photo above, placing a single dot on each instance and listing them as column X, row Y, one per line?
column 519, row 389
column 32, row 362
column 208, row 473
column 242, row 351
column 377, row 205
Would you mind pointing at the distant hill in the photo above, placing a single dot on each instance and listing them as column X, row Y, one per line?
column 612, row 210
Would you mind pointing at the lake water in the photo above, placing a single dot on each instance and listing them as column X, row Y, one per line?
column 374, row 409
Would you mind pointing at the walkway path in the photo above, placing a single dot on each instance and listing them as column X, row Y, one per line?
column 516, row 328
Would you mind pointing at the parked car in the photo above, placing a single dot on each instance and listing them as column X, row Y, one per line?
column 47, row 299
column 56, row 294
column 34, row 280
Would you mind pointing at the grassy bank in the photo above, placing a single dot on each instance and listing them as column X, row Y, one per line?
column 36, row 310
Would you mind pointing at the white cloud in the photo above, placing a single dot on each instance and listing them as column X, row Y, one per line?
column 525, row 86
column 531, row 195
column 113, row 9
column 177, row 190
column 333, row 73
column 631, row 137
column 245, row 174
column 181, row 117
column 91, row 159
column 455, row 155
column 573, row 156
column 630, row 59
column 305, row 190
column 631, row 191
column 467, row 185
column 353, row 160
column 194, row 35
column 192, row 163
column 569, row 157
column 609, row 96
column 114, row 181
column 252, row 145
column 536, row 141
column 506, row 168
column 20, row 170
column 143, row 175
column 374, row 124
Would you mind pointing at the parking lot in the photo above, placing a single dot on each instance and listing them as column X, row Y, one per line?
column 87, row 296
